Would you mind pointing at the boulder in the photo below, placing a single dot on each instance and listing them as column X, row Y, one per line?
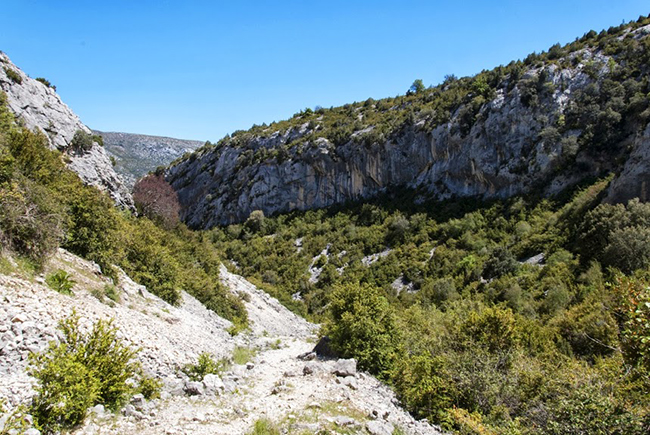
column 375, row 427
column 345, row 367
column 311, row 367
column 212, row 384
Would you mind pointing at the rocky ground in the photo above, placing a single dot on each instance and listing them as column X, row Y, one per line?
column 279, row 378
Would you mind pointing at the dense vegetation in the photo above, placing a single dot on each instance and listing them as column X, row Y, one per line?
column 44, row 206
column 470, row 334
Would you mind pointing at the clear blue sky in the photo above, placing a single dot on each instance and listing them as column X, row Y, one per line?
column 201, row 69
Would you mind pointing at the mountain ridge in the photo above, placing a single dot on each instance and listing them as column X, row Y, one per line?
column 544, row 124
column 137, row 154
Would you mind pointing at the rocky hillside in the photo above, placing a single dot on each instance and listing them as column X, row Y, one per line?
column 537, row 126
column 281, row 381
column 37, row 104
column 137, row 154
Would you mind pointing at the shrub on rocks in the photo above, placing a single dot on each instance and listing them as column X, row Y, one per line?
column 205, row 365
column 82, row 370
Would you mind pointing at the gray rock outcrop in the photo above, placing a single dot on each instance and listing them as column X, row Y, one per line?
column 510, row 147
column 41, row 109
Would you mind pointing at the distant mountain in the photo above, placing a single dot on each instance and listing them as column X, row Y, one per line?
column 137, row 154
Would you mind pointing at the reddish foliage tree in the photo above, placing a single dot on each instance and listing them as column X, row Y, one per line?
column 157, row 200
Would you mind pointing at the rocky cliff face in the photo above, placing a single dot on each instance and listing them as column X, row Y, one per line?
column 40, row 108
column 137, row 154
column 530, row 134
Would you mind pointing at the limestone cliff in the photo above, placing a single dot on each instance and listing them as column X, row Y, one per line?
column 536, row 126
column 40, row 108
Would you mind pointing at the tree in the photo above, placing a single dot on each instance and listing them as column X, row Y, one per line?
column 157, row 200
column 255, row 222
column 417, row 87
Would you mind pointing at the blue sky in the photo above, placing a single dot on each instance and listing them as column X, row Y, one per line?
column 201, row 69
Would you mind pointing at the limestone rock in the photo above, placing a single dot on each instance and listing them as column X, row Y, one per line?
column 137, row 154
column 500, row 154
column 212, row 384
column 376, row 427
column 345, row 367
column 41, row 109
column 311, row 368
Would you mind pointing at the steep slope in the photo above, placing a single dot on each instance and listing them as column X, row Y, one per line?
column 297, row 393
column 40, row 108
column 535, row 126
column 137, row 154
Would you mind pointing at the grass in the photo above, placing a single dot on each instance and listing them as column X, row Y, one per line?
column 242, row 355
column 108, row 291
column 5, row 266
column 264, row 426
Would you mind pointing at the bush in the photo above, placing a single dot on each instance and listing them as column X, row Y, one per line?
column 634, row 313
column 204, row 366
column 149, row 387
column 13, row 75
column 362, row 326
column 60, row 281
column 81, row 142
column 82, row 370
column 255, row 222
column 46, row 82
column 30, row 222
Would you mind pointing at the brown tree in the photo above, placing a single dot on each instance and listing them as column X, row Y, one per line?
column 157, row 200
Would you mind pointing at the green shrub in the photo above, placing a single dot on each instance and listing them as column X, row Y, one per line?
column 60, row 281
column 82, row 370
column 111, row 292
column 81, row 142
column 362, row 326
column 205, row 365
column 31, row 223
column 13, row 75
column 46, row 82
column 149, row 387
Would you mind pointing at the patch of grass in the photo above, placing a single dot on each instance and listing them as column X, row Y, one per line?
column 264, row 426
column 108, row 291
column 111, row 292
column 5, row 266
column 242, row 355
column 61, row 281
